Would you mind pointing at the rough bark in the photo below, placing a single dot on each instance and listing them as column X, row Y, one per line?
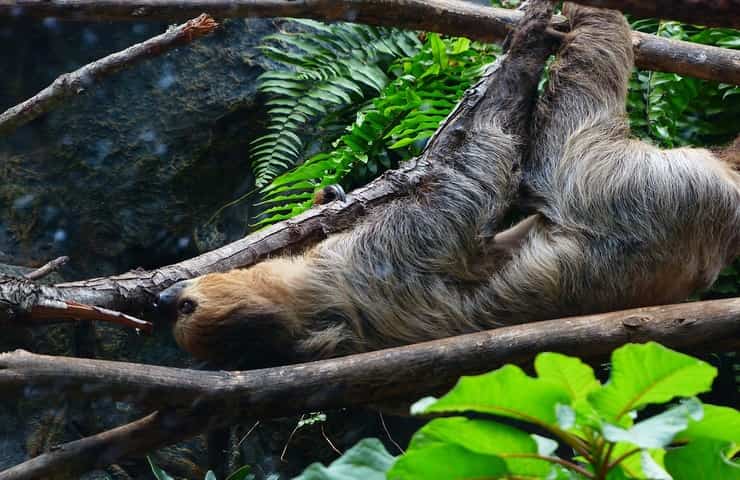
column 387, row 375
column 690, row 59
column 76, row 82
column 720, row 13
column 450, row 17
column 23, row 301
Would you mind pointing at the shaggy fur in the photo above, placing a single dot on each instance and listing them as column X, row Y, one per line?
column 617, row 223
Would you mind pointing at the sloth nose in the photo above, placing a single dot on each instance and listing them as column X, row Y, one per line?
column 166, row 302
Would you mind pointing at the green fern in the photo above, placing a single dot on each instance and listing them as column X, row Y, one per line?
column 671, row 110
column 330, row 67
column 393, row 127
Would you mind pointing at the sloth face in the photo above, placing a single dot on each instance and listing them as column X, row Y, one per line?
column 234, row 319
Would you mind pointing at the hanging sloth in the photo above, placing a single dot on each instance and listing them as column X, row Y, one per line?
column 615, row 223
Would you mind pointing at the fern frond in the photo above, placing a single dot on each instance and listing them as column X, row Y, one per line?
column 330, row 67
column 671, row 110
column 393, row 127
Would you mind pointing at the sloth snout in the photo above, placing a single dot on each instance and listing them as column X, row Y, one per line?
column 167, row 300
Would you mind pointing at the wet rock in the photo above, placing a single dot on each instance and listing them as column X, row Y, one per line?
column 120, row 175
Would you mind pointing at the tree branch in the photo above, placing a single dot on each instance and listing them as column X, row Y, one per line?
column 370, row 378
column 97, row 451
column 725, row 13
column 48, row 268
column 74, row 83
column 22, row 300
column 452, row 17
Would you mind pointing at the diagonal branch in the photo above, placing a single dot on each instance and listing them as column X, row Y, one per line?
column 370, row 378
column 74, row 83
column 452, row 17
column 97, row 451
column 47, row 269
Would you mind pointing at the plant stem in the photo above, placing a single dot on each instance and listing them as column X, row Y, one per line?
column 598, row 442
column 604, row 464
column 619, row 460
column 573, row 441
column 565, row 463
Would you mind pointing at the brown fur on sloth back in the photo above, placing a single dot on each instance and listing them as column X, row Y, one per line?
column 618, row 223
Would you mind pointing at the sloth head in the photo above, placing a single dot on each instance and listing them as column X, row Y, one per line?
column 238, row 318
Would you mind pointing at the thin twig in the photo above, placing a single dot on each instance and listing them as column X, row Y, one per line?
column 249, row 432
column 333, row 447
column 74, row 83
column 388, row 433
column 290, row 437
column 47, row 269
column 69, row 310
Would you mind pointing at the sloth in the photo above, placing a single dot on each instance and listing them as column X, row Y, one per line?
column 613, row 223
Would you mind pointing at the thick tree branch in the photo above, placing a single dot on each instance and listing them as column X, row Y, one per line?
column 387, row 375
column 74, row 83
column 452, row 17
column 722, row 13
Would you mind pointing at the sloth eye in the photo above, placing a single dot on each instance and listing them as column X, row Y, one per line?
column 187, row 306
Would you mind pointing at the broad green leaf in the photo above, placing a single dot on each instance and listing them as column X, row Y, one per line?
column 702, row 459
column 630, row 465
column 649, row 373
column 618, row 473
column 639, row 464
column 659, row 430
column 446, row 461
column 508, row 392
column 487, row 438
column 718, row 423
column 569, row 372
column 480, row 436
column 367, row 460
